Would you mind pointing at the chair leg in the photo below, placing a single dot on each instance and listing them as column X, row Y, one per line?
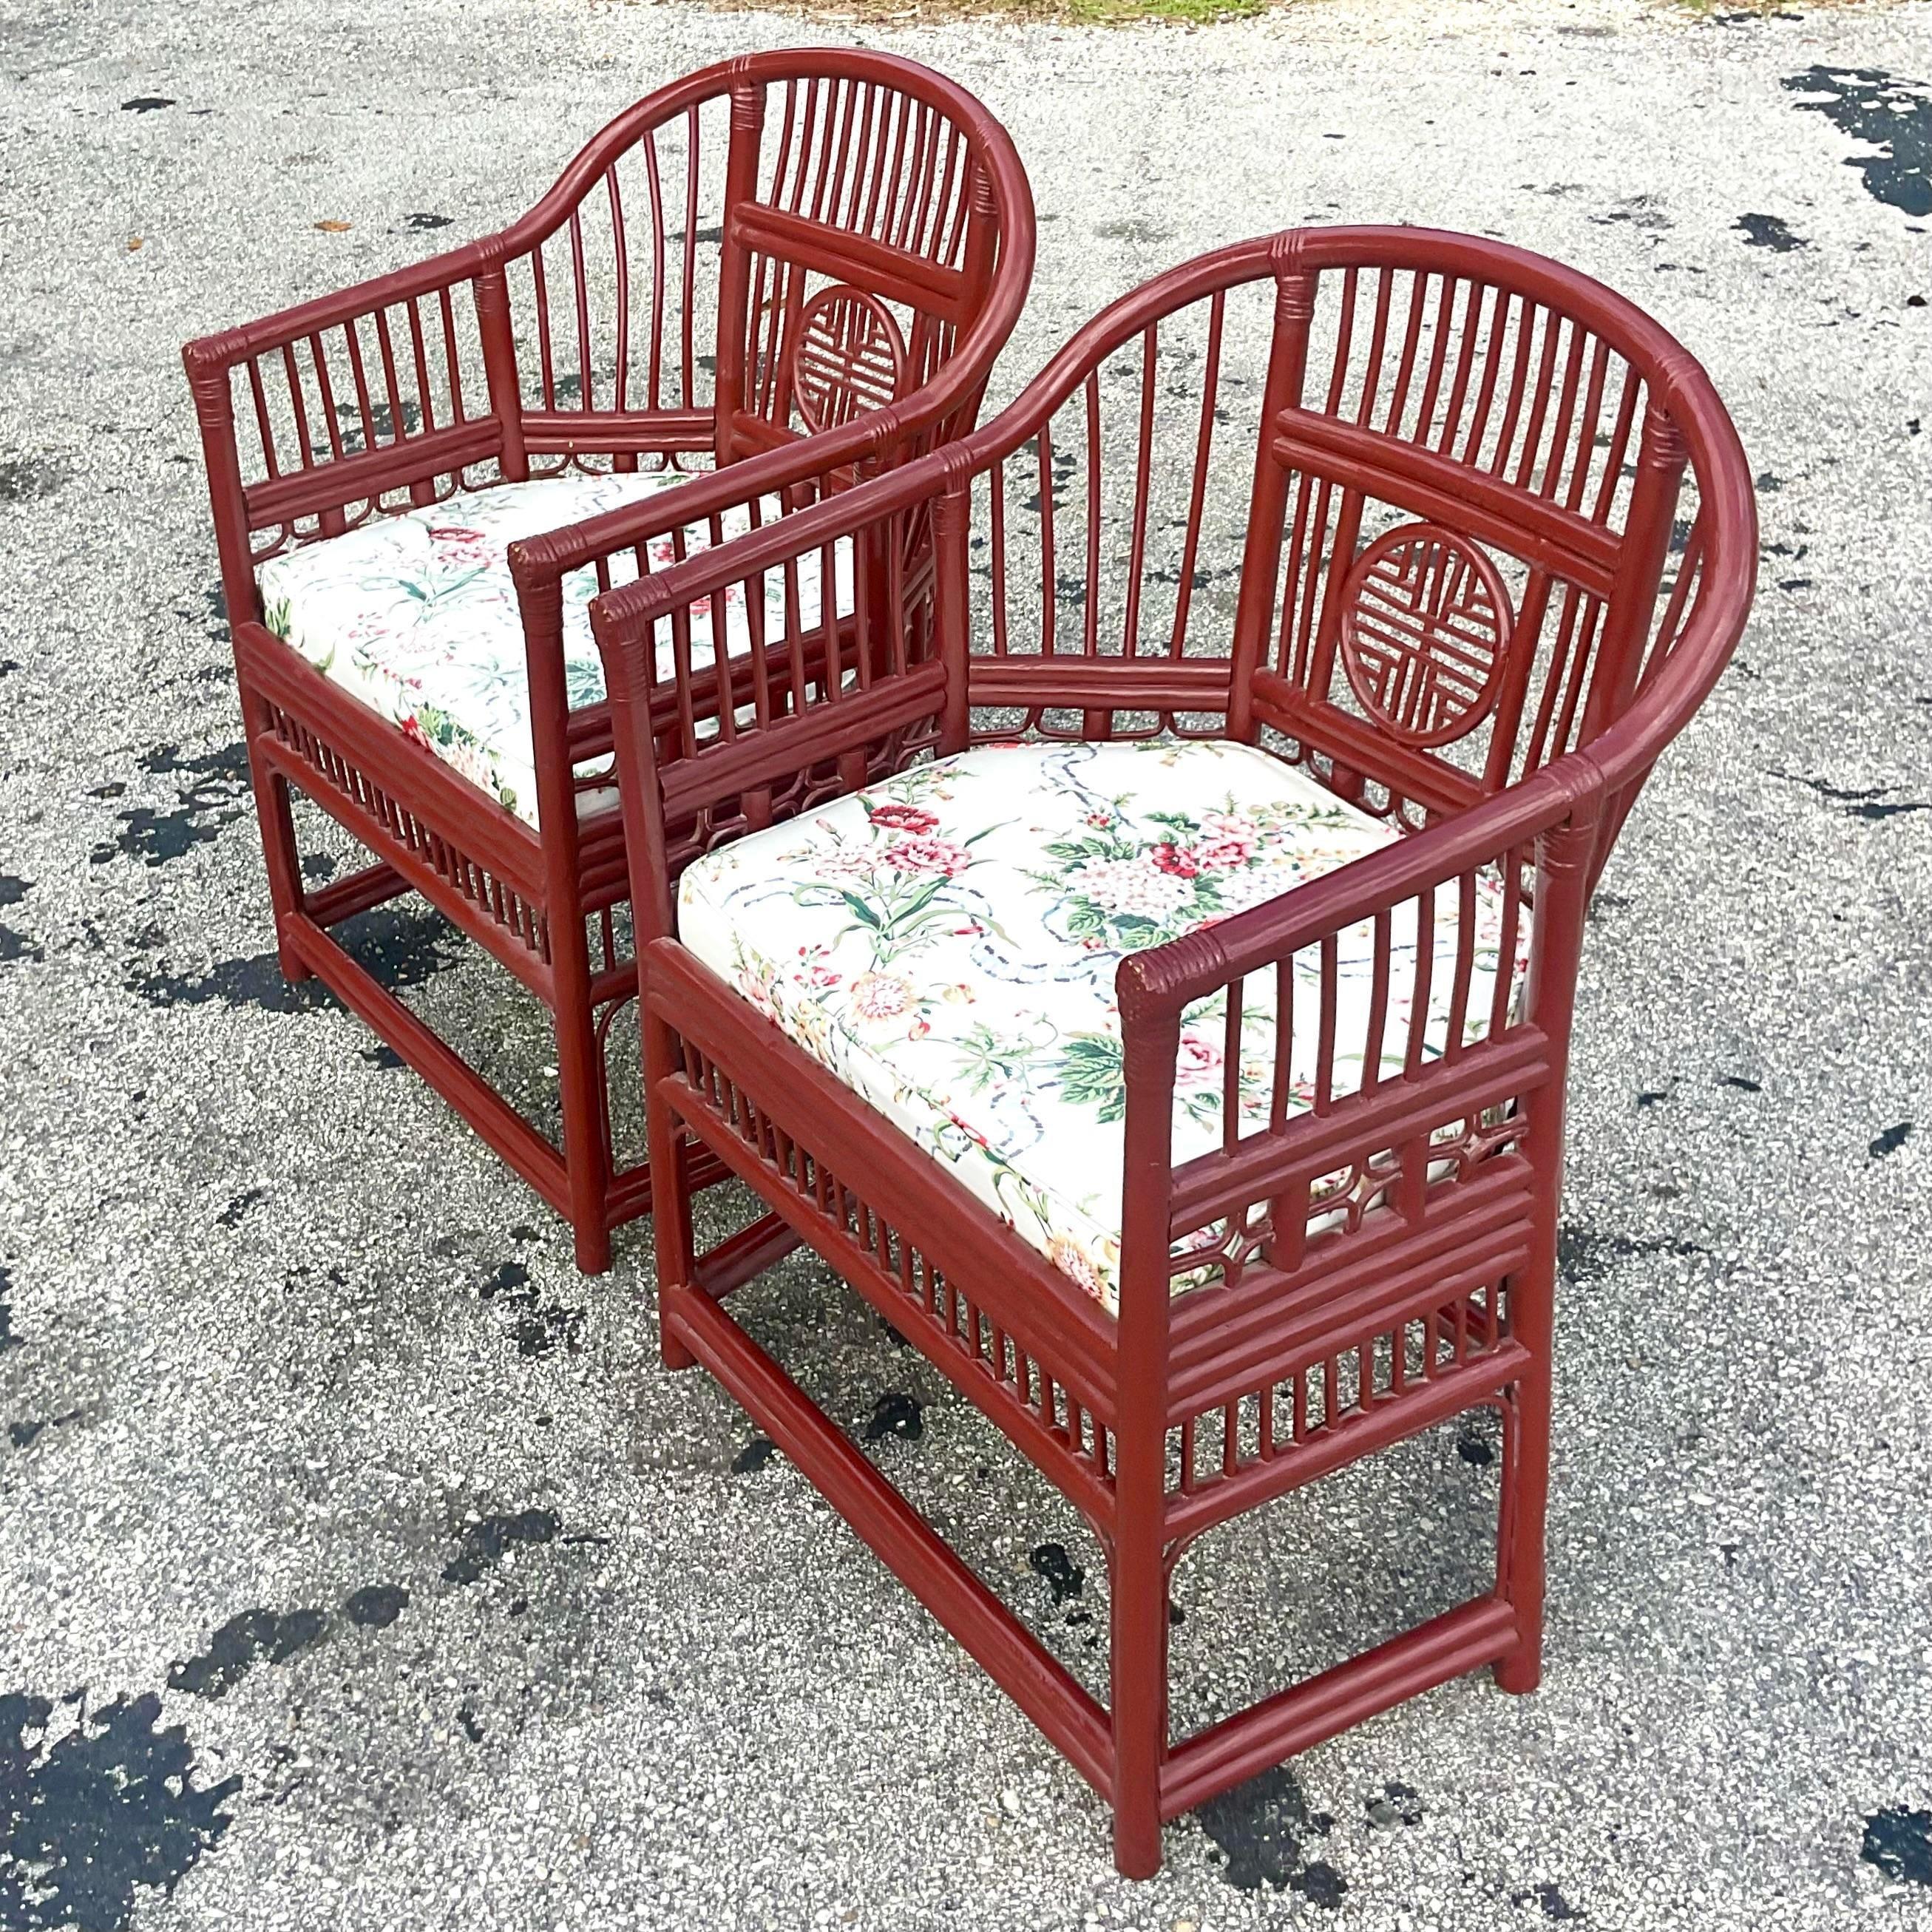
column 278, row 842
column 586, row 1147
column 1138, row 1672
column 1526, row 1479
column 670, row 1192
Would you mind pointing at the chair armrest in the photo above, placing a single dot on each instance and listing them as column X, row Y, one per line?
column 226, row 349
column 373, row 388
column 800, row 475
column 1420, row 1063
column 1164, row 979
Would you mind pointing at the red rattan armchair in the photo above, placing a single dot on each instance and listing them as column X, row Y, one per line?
column 1145, row 973
column 792, row 268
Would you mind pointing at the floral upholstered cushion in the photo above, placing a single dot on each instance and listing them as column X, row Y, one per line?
column 946, row 943
column 416, row 615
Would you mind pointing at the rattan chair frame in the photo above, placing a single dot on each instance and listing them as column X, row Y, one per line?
column 1560, row 431
column 871, row 256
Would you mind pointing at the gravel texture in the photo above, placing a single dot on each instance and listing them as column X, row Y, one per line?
column 359, row 1566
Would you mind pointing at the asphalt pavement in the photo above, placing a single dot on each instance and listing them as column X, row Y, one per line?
column 359, row 1567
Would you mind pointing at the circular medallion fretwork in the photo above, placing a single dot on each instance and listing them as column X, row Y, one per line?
column 847, row 357
column 1425, row 624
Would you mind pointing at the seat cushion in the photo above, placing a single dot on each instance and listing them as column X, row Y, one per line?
column 416, row 616
column 945, row 943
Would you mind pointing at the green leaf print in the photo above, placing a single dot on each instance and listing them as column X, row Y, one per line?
column 861, row 911
column 438, row 726
column 443, row 729
column 1092, row 1073
column 429, row 594
column 583, row 682
column 985, row 1059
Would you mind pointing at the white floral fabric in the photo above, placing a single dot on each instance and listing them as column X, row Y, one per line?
column 945, row 943
column 416, row 615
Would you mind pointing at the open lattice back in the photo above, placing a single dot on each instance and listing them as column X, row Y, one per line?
column 1461, row 595
column 859, row 272
column 1390, row 501
column 772, row 249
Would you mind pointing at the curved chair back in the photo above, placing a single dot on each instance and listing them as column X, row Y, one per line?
column 1428, row 512
column 771, row 248
column 827, row 243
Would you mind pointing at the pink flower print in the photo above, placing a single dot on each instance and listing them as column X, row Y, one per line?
column 755, row 982
column 1198, row 1062
column 814, row 970
column 841, row 863
column 1202, row 1239
column 1178, row 860
column 918, row 854
column 1073, row 1262
column 1220, row 855
column 462, row 545
column 1227, row 840
column 881, row 996
column 894, row 817
column 1130, row 885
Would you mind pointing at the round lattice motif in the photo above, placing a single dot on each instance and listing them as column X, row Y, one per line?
column 847, row 357
column 1425, row 620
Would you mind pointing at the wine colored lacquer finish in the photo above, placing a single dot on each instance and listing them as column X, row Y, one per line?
column 779, row 275
column 1494, row 542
